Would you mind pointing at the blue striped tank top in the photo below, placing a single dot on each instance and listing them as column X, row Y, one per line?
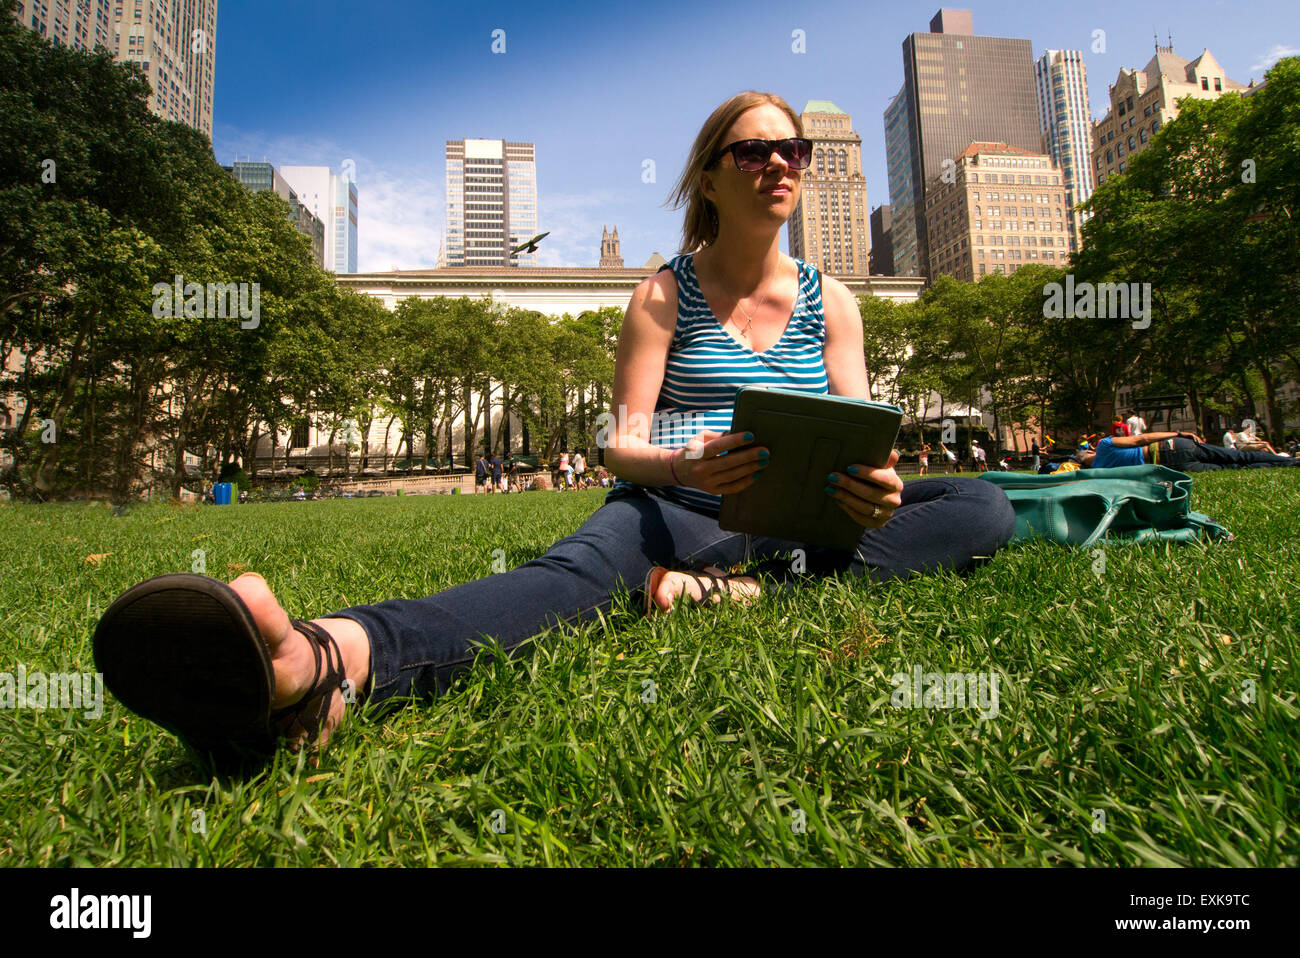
column 706, row 367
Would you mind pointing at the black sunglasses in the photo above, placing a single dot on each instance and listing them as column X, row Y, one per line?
column 752, row 155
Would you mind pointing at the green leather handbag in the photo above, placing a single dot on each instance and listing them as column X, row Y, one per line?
column 1087, row 506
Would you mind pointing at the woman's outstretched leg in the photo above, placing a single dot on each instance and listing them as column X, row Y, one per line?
column 418, row 646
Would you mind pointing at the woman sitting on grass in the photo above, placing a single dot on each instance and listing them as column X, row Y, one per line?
column 1184, row 451
column 225, row 665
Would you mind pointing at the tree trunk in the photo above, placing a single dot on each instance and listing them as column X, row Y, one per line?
column 469, row 434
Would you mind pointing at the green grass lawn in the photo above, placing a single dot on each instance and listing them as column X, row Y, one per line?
column 1147, row 712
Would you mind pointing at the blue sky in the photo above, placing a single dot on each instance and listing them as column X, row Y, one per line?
column 601, row 87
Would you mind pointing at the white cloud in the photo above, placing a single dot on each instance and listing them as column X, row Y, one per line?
column 1278, row 52
column 399, row 220
column 574, row 221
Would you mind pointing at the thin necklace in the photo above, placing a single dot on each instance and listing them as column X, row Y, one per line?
column 745, row 332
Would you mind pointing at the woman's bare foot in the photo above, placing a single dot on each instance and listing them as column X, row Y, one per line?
column 292, row 657
column 672, row 585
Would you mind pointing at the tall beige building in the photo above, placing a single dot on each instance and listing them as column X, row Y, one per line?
column 173, row 41
column 999, row 208
column 1142, row 101
column 828, row 229
column 82, row 25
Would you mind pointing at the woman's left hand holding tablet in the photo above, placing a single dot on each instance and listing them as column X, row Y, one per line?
column 867, row 495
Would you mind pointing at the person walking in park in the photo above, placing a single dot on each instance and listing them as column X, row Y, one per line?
column 566, row 469
column 1136, row 424
column 924, row 459
column 480, row 474
column 1036, row 452
column 174, row 647
column 978, row 456
column 496, row 485
column 1184, row 451
column 579, row 468
column 1119, row 427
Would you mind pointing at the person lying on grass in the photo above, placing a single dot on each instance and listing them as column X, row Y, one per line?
column 225, row 666
column 1184, row 451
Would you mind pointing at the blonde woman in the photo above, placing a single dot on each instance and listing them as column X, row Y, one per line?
column 731, row 310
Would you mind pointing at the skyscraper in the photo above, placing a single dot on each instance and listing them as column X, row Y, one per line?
column 175, row 44
column 264, row 176
column 828, row 229
column 1065, row 118
column 83, row 27
column 898, row 153
column 882, row 241
column 491, row 203
column 958, row 89
column 333, row 198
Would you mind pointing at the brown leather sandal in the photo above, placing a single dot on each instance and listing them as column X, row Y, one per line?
column 716, row 584
column 183, row 651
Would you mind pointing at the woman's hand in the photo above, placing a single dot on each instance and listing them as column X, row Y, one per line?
column 702, row 465
column 868, row 496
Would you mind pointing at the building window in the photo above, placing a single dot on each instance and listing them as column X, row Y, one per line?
column 1205, row 83
column 1218, row 85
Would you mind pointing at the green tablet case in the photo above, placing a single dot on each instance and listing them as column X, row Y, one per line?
column 809, row 436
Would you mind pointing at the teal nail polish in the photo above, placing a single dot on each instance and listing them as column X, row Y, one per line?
column 749, row 437
column 764, row 454
column 832, row 478
column 853, row 470
column 830, row 490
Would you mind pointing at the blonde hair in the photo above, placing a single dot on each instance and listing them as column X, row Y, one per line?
column 701, row 224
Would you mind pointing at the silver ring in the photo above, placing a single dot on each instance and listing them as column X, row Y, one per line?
column 875, row 511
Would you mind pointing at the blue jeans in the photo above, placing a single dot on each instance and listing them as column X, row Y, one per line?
column 1191, row 456
column 418, row 646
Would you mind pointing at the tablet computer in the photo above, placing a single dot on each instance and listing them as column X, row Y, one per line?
column 809, row 436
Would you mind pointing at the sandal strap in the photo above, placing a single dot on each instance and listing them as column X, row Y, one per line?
column 716, row 583
column 318, row 696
